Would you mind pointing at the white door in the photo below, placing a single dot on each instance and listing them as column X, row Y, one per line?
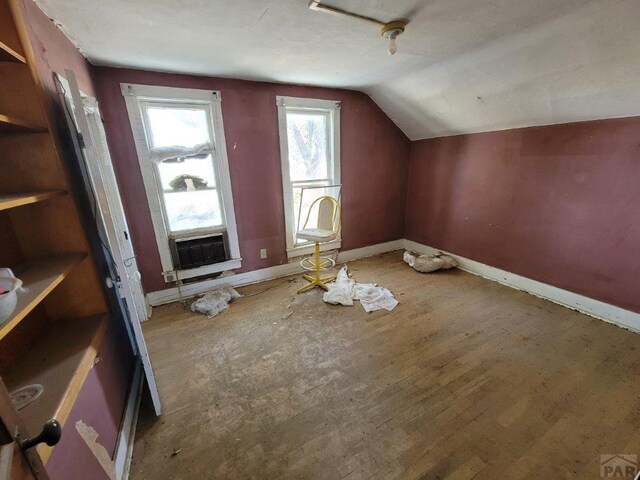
column 111, row 217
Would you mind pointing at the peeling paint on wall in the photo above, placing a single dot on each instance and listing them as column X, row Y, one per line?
column 90, row 437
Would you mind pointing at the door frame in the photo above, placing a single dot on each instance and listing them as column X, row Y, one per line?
column 116, row 232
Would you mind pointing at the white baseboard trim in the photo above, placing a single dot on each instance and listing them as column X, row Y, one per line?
column 370, row 251
column 126, row 436
column 594, row 308
column 171, row 295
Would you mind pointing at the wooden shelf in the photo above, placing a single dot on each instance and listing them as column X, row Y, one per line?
column 39, row 277
column 10, row 124
column 12, row 200
column 59, row 360
column 8, row 54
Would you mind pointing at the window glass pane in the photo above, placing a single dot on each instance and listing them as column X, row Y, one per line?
column 199, row 170
column 189, row 197
column 307, row 139
column 184, row 127
column 300, row 213
column 187, row 210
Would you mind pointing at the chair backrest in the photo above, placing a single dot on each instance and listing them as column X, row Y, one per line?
column 328, row 213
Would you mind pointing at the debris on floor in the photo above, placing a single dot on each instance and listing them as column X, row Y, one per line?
column 373, row 297
column 340, row 291
column 344, row 290
column 212, row 303
column 429, row 263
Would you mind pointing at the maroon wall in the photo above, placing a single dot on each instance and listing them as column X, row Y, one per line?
column 374, row 161
column 53, row 51
column 102, row 398
column 558, row 204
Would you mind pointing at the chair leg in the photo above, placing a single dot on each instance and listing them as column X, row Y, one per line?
column 316, row 280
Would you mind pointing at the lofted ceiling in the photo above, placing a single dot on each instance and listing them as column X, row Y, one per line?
column 462, row 65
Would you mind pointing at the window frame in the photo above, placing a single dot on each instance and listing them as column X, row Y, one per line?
column 331, row 108
column 137, row 98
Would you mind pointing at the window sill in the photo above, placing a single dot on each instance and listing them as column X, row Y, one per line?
column 309, row 249
column 204, row 270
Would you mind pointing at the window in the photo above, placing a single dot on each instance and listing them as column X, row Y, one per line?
column 310, row 155
column 180, row 143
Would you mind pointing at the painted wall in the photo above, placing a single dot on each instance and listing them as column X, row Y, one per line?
column 102, row 398
column 374, row 165
column 558, row 204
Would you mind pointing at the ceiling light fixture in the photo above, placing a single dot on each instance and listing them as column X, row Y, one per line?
column 389, row 30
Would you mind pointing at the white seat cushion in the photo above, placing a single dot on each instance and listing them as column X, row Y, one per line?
column 316, row 234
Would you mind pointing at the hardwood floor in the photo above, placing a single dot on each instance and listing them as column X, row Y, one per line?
column 465, row 379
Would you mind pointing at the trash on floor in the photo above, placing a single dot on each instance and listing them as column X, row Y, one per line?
column 212, row 303
column 373, row 297
column 344, row 290
column 340, row 291
column 429, row 263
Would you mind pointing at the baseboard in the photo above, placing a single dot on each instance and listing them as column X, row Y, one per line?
column 370, row 251
column 174, row 294
column 126, row 436
column 594, row 308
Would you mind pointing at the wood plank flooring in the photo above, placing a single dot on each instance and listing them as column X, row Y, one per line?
column 465, row 379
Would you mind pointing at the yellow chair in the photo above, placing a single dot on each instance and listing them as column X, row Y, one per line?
column 326, row 229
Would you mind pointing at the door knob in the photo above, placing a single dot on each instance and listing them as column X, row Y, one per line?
column 50, row 434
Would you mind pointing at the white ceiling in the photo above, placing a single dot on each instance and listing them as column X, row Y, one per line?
column 462, row 65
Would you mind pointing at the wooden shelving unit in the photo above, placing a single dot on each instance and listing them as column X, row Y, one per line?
column 9, row 124
column 39, row 277
column 53, row 336
column 8, row 54
column 59, row 360
column 13, row 200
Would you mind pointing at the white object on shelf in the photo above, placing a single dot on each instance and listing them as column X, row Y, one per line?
column 11, row 285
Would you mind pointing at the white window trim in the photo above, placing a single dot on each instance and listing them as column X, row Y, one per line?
column 333, row 107
column 132, row 93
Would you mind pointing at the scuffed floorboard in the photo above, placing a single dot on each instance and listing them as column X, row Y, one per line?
column 465, row 379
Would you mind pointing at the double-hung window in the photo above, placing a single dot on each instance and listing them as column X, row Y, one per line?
column 310, row 155
column 180, row 142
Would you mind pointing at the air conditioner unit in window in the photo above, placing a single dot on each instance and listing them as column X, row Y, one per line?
column 196, row 252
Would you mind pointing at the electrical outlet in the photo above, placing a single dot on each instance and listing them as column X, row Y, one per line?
column 263, row 253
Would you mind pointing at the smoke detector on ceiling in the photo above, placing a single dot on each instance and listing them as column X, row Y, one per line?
column 389, row 30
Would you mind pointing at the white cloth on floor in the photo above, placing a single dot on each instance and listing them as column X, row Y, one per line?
column 429, row 263
column 372, row 297
column 212, row 303
column 340, row 291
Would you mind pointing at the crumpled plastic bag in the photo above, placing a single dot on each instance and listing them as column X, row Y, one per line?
column 429, row 263
column 343, row 291
column 212, row 303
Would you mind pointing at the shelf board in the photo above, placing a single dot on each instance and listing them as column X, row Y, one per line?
column 8, row 54
column 39, row 277
column 59, row 360
column 9, row 124
column 12, row 200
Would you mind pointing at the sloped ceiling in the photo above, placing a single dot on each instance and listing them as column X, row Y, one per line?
column 462, row 65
